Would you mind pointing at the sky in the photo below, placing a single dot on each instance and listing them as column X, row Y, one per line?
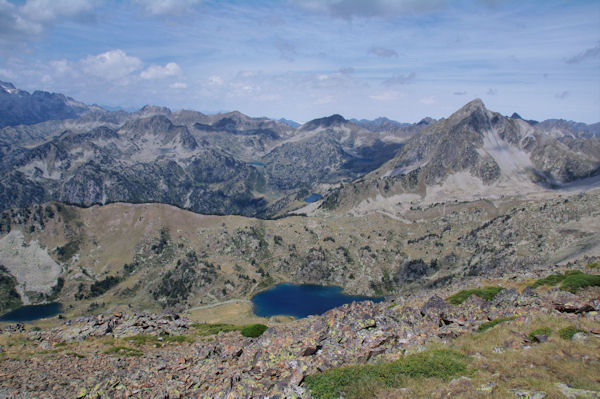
column 304, row 59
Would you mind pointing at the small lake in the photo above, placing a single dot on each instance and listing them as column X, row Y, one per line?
column 302, row 300
column 314, row 197
column 256, row 163
column 32, row 312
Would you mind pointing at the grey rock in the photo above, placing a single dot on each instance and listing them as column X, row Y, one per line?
column 576, row 393
column 541, row 338
column 579, row 337
column 525, row 394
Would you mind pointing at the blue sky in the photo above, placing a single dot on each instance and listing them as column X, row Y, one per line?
column 403, row 59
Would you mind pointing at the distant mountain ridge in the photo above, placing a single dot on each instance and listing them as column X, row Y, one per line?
column 475, row 153
column 379, row 124
column 18, row 107
column 231, row 163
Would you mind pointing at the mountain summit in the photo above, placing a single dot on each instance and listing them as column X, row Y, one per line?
column 18, row 107
column 475, row 153
column 326, row 122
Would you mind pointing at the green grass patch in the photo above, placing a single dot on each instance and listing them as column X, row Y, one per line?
column 555, row 279
column 487, row 293
column 489, row 324
column 361, row 381
column 568, row 332
column 577, row 281
column 540, row 331
column 67, row 251
column 177, row 339
column 123, row 350
column 253, row 330
column 593, row 265
column 143, row 339
column 249, row 330
column 571, row 280
column 205, row 329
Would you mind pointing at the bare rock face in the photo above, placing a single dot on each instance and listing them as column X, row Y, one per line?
column 35, row 272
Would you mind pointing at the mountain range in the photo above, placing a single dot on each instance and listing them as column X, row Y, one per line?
column 155, row 210
column 55, row 148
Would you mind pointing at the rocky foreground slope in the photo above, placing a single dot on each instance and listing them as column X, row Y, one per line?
column 146, row 355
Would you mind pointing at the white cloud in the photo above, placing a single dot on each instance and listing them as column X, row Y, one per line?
column 372, row 8
column 6, row 74
column 158, row 72
column 61, row 66
column 400, row 79
column 383, row 52
column 29, row 20
column 168, row 7
column 324, row 100
column 178, row 85
column 387, row 95
column 428, row 100
column 49, row 11
column 269, row 97
column 215, row 80
column 112, row 65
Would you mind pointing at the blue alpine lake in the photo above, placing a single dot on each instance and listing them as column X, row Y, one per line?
column 32, row 312
column 302, row 300
column 256, row 163
column 314, row 197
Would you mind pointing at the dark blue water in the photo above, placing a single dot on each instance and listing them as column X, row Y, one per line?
column 256, row 163
column 302, row 300
column 32, row 312
column 313, row 197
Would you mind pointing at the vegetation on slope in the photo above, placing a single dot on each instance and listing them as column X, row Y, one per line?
column 487, row 293
column 248, row 330
column 571, row 280
column 491, row 363
column 362, row 381
column 493, row 323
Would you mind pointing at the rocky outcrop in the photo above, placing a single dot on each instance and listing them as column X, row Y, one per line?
column 35, row 273
column 230, row 365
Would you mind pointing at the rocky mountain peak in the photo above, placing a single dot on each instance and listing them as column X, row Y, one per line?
column 149, row 110
column 475, row 105
column 426, row 121
column 19, row 107
column 326, row 122
column 154, row 124
column 473, row 114
column 7, row 87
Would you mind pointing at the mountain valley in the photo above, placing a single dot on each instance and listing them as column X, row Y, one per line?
column 154, row 229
